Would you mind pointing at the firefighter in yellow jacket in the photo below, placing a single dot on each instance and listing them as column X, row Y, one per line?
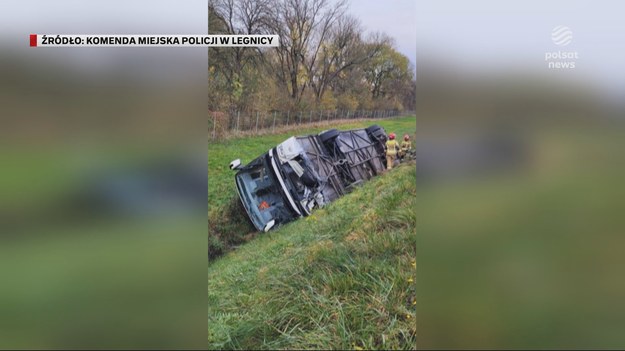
column 405, row 146
column 391, row 150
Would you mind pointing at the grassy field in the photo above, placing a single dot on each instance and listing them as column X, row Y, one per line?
column 343, row 278
column 227, row 225
column 82, row 280
column 530, row 259
column 68, row 286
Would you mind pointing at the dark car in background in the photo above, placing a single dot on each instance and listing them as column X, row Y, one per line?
column 307, row 172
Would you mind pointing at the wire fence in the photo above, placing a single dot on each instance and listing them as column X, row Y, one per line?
column 221, row 124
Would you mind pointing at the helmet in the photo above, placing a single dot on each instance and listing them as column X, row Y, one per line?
column 406, row 137
column 391, row 136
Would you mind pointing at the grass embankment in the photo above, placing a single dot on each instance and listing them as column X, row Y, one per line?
column 530, row 259
column 342, row 278
column 227, row 224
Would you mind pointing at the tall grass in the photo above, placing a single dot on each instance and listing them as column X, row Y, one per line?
column 343, row 278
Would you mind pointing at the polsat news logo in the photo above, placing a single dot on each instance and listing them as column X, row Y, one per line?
column 559, row 60
column 81, row 40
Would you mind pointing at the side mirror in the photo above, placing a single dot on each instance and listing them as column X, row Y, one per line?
column 269, row 225
column 234, row 165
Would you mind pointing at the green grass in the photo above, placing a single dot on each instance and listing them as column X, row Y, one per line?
column 102, row 285
column 227, row 225
column 74, row 280
column 342, row 278
column 532, row 259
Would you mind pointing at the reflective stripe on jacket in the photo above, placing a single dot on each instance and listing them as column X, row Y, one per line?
column 391, row 147
column 406, row 145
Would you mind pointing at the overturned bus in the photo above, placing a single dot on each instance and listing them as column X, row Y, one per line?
column 307, row 172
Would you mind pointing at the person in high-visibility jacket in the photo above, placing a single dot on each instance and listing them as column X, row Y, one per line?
column 405, row 146
column 391, row 150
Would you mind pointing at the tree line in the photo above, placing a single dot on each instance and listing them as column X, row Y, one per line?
column 325, row 60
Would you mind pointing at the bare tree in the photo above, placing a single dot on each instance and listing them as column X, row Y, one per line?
column 343, row 50
column 322, row 54
column 303, row 26
column 238, row 17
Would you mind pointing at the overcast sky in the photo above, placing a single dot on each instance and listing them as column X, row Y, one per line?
column 396, row 18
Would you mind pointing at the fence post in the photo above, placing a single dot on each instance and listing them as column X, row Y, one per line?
column 300, row 117
column 257, row 122
column 214, row 124
column 274, row 121
column 288, row 113
column 310, row 117
column 238, row 113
